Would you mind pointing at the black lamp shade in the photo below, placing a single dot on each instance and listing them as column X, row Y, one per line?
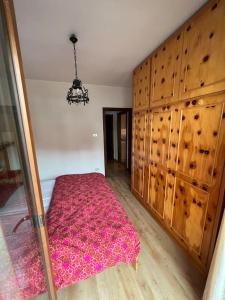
column 77, row 93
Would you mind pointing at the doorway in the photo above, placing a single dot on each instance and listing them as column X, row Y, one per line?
column 109, row 133
column 117, row 141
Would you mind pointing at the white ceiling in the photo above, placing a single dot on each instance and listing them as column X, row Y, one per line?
column 114, row 36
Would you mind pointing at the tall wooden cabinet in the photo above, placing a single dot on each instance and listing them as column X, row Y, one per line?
column 179, row 138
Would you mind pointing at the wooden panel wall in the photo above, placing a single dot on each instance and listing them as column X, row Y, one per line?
column 179, row 131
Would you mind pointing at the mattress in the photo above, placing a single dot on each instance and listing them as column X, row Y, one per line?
column 46, row 190
column 88, row 229
column 16, row 203
column 88, row 232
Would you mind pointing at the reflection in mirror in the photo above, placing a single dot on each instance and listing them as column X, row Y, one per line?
column 21, row 268
column 10, row 166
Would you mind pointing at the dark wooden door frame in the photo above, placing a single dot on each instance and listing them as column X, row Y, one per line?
column 120, row 109
column 119, row 135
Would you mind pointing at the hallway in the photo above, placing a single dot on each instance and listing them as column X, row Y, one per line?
column 118, row 170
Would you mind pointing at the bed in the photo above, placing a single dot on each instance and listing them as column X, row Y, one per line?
column 88, row 231
column 16, row 202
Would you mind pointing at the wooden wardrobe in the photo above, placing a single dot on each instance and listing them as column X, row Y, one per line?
column 178, row 149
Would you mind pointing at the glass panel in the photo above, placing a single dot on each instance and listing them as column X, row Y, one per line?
column 21, row 269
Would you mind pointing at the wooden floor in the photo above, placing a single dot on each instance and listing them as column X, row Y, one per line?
column 164, row 271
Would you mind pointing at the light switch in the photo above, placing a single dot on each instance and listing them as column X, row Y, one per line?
column 94, row 134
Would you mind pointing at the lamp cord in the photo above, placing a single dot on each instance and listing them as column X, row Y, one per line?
column 75, row 60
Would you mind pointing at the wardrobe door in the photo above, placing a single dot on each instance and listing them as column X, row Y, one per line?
column 160, row 131
column 173, row 139
column 200, row 161
column 165, row 71
column 159, row 146
column 138, row 176
column 189, row 214
column 169, row 199
column 139, row 133
column 157, row 187
column 134, row 133
column 141, row 86
column 139, row 151
column 203, row 59
column 136, row 100
column 198, row 142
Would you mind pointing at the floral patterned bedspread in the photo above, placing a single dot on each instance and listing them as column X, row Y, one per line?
column 88, row 232
column 88, row 229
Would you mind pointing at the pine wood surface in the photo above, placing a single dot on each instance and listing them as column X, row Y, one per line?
column 179, row 140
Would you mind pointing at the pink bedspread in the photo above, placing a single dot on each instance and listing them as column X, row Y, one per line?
column 88, row 231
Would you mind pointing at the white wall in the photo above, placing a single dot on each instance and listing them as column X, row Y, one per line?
column 63, row 133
